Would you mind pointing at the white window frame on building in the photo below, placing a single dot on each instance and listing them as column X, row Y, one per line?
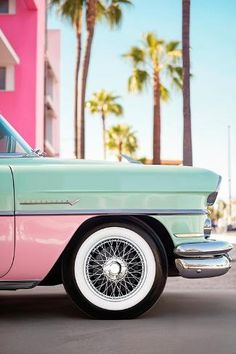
column 7, row 7
column 8, row 82
column 3, row 78
column 8, row 60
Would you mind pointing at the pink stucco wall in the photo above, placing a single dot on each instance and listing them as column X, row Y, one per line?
column 41, row 4
column 23, row 107
column 53, row 54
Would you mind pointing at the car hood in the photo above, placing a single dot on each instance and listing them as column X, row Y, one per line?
column 114, row 176
column 52, row 183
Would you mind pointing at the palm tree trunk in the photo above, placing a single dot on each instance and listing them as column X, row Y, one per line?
column 187, row 133
column 104, row 135
column 156, row 119
column 120, row 146
column 90, row 21
column 77, row 67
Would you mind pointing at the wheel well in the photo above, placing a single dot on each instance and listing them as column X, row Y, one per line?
column 160, row 230
column 147, row 222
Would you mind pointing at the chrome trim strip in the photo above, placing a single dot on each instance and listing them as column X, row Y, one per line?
column 50, row 202
column 200, row 249
column 7, row 213
column 219, row 183
column 207, row 227
column 14, row 285
column 130, row 159
column 202, row 268
column 165, row 212
column 193, row 234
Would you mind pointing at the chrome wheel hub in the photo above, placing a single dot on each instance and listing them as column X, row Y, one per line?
column 115, row 269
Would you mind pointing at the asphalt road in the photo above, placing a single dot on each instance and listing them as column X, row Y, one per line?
column 192, row 316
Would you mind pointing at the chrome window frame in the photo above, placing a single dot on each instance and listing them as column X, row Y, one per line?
column 28, row 151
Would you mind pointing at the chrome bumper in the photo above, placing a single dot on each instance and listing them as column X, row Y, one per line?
column 203, row 259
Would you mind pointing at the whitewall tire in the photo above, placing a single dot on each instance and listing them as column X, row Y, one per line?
column 116, row 270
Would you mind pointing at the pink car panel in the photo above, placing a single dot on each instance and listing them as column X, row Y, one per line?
column 40, row 240
column 6, row 243
column 7, row 240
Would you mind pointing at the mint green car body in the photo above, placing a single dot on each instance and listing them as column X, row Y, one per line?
column 46, row 202
column 119, row 188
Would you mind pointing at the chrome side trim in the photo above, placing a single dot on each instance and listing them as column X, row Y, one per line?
column 188, row 235
column 50, row 202
column 219, row 183
column 203, row 268
column 165, row 212
column 201, row 249
column 14, row 285
column 7, row 213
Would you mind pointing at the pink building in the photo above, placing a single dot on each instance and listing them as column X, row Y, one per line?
column 52, row 93
column 28, row 100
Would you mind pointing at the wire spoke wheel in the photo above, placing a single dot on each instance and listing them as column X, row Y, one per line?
column 115, row 268
column 115, row 271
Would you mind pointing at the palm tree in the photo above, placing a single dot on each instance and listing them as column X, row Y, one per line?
column 73, row 11
column 104, row 103
column 187, row 136
column 122, row 139
column 96, row 10
column 155, row 59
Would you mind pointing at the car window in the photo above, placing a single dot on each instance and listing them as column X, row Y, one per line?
column 11, row 142
column 3, row 144
column 8, row 143
column 4, row 140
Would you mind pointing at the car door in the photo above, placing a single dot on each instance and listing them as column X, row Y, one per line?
column 7, row 237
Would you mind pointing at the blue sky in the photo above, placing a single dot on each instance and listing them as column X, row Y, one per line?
column 213, row 57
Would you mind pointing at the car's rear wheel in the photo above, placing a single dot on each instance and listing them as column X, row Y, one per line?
column 115, row 271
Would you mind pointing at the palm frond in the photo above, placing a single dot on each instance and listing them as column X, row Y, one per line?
column 178, row 70
column 158, row 56
column 111, row 11
column 104, row 103
column 153, row 46
column 116, row 109
column 101, row 11
column 172, row 46
column 138, row 80
column 122, row 137
column 136, row 55
column 150, row 39
column 165, row 94
column 176, row 75
column 177, row 82
column 69, row 9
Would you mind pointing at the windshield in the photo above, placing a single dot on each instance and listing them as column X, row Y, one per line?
column 11, row 143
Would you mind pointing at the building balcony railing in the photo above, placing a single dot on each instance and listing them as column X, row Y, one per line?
column 49, row 149
column 50, row 71
column 50, row 106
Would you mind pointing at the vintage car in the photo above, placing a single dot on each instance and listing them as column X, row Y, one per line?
column 110, row 232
